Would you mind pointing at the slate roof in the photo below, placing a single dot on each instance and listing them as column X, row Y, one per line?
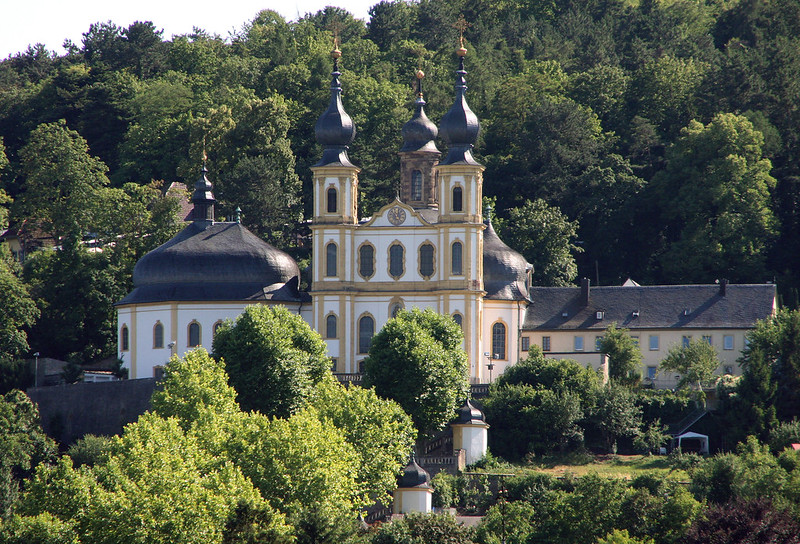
column 223, row 262
column 658, row 307
column 505, row 271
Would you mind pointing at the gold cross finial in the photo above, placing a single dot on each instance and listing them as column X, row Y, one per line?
column 461, row 25
column 336, row 27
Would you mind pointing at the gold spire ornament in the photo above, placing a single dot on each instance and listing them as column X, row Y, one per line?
column 461, row 25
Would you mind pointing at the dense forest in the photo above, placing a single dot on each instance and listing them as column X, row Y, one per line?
column 652, row 139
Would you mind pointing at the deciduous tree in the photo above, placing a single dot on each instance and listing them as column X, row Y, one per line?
column 417, row 360
column 273, row 359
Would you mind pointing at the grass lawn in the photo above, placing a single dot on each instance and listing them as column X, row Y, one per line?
column 612, row 466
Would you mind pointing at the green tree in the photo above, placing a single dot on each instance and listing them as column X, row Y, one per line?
column 772, row 360
column 622, row 537
column 424, row 529
column 624, row 355
column 273, row 359
column 62, row 181
column 40, row 529
column 78, row 333
column 159, row 487
column 538, row 405
column 616, row 415
column 298, row 462
column 18, row 312
column 417, row 360
column 696, row 364
column 379, row 430
column 23, row 446
column 715, row 199
column 194, row 386
column 546, row 238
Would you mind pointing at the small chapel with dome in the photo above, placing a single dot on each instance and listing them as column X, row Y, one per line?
column 432, row 247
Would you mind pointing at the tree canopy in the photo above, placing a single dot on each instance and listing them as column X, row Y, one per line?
column 273, row 359
column 417, row 360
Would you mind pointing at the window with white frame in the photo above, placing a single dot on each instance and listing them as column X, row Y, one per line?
column 499, row 341
column 456, row 251
column 577, row 343
column 331, row 326
column 331, row 256
column 396, row 258
column 426, row 260
column 654, row 343
column 158, row 335
column 332, row 203
column 194, row 334
column 416, row 185
column 366, row 330
column 727, row 342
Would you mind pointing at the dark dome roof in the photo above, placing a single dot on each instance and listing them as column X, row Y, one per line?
column 460, row 126
column 468, row 413
column 414, row 476
column 335, row 129
column 419, row 132
column 505, row 272
column 224, row 261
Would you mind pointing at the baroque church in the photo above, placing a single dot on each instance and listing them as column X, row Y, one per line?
column 429, row 248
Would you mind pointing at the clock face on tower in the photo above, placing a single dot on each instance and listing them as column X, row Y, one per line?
column 397, row 215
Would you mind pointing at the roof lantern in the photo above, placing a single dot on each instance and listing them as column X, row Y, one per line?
column 202, row 198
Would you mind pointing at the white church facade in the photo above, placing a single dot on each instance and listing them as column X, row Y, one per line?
column 429, row 248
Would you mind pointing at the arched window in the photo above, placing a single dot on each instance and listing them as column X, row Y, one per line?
column 330, row 259
column 330, row 326
column 124, row 338
column 416, row 185
column 498, row 341
column 394, row 308
column 426, row 260
column 194, row 334
column 366, row 261
column 458, row 318
column 396, row 258
column 455, row 259
column 458, row 205
column 215, row 328
column 366, row 330
column 332, row 204
column 158, row 335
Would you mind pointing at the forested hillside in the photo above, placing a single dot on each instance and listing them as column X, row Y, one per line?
column 655, row 139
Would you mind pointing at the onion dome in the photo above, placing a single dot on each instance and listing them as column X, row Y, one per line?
column 335, row 130
column 505, row 271
column 419, row 132
column 460, row 126
column 468, row 413
column 203, row 199
column 414, row 476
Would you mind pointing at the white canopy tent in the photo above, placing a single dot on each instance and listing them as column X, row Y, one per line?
column 677, row 441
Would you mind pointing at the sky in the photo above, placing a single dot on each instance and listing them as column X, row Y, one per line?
column 26, row 22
